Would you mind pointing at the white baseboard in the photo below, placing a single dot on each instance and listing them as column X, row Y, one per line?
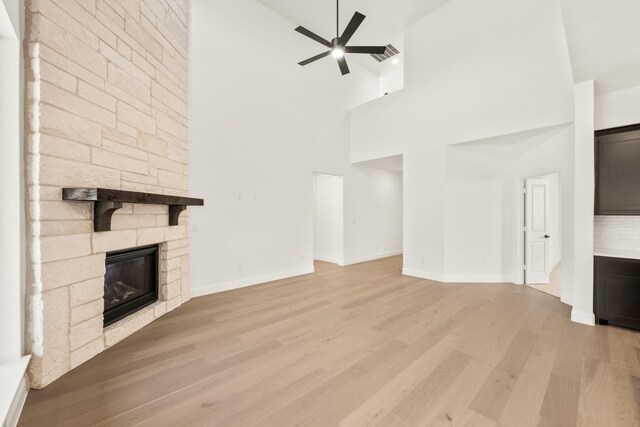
column 251, row 281
column 358, row 260
column 455, row 278
column 328, row 259
column 423, row 274
column 584, row 317
column 13, row 391
column 462, row 278
column 13, row 416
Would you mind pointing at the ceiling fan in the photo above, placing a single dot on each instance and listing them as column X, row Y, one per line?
column 338, row 46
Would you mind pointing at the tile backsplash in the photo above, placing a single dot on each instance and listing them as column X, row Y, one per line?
column 617, row 236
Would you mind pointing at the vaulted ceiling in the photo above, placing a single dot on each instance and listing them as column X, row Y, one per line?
column 385, row 22
column 603, row 37
column 604, row 42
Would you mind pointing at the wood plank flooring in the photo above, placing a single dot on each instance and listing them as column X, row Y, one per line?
column 357, row 346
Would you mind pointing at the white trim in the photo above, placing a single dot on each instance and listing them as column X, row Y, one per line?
column 456, row 278
column 423, row 274
column 328, row 259
column 358, row 260
column 520, row 186
column 464, row 278
column 250, row 281
column 13, row 392
column 584, row 317
column 18, row 404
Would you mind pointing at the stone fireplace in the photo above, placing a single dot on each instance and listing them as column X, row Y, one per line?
column 106, row 107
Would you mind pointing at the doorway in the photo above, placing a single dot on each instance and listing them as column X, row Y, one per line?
column 542, row 243
column 328, row 218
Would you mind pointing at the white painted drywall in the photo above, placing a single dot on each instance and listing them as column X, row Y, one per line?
column 584, row 174
column 329, row 217
column 615, row 109
column 259, row 126
column 392, row 80
column 11, row 244
column 474, row 71
column 555, row 220
column 12, row 241
column 373, row 214
column 482, row 197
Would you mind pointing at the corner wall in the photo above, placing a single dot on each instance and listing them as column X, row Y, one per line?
column 503, row 74
column 584, row 176
column 259, row 126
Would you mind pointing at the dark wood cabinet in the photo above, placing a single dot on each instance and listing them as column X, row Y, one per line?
column 618, row 171
column 617, row 291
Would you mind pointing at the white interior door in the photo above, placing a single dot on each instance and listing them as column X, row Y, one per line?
column 537, row 231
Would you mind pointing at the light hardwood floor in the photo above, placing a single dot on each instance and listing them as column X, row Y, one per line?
column 555, row 281
column 357, row 346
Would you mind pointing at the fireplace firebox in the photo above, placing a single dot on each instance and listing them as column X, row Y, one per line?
column 131, row 282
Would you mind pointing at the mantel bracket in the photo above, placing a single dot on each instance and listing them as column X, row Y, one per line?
column 102, row 213
column 174, row 213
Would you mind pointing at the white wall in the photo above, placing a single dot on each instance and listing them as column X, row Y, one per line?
column 584, row 174
column 615, row 109
column 391, row 80
column 474, row 71
column 13, row 387
column 329, row 217
column 477, row 191
column 259, row 125
column 373, row 214
column 11, row 244
column 483, row 194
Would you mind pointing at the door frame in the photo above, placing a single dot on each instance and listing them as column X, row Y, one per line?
column 521, row 253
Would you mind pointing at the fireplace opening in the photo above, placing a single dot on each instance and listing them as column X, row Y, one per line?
column 131, row 282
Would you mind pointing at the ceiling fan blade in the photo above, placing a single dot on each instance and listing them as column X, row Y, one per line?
column 344, row 68
column 314, row 58
column 313, row 36
column 376, row 50
column 351, row 28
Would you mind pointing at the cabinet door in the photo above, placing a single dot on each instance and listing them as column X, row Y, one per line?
column 617, row 291
column 618, row 173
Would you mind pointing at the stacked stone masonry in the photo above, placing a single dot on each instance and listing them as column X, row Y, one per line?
column 105, row 106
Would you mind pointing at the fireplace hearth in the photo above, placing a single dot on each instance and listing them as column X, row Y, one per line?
column 131, row 282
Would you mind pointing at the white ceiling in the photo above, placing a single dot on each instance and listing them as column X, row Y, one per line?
column 604, row 42
column 385, row 22
column 603, row 36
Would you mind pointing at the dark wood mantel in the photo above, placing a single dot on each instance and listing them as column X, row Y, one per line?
column 106, row 202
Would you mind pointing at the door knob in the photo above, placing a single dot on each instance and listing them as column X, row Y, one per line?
column 546, row 236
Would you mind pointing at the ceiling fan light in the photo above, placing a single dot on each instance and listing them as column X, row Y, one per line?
column 337, row 52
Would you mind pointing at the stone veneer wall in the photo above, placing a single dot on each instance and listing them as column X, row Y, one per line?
column 106, row 106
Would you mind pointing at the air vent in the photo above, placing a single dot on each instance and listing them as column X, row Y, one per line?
column 390, row 52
